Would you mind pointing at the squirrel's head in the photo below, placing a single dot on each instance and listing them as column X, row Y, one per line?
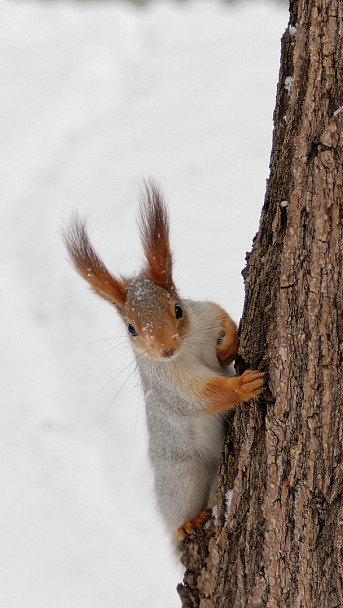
column 148, row 303
column 155, row 318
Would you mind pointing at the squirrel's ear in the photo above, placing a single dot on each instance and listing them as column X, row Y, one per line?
column 88, row 264
column 154, row 229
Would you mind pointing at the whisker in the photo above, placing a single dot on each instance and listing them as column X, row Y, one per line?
column 104, row 340
column 137, row 408
column 124, row 345
column 116, row 395
column 115, row 377
column 135, row 369
column 214, row 294
column 206, row 329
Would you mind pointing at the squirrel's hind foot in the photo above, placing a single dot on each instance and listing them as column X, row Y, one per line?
column 193, row 524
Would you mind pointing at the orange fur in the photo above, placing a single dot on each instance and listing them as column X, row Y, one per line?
column 227, row 348
column 154, row 230
column 225, row 393
column 193, row 524
column 88, row 264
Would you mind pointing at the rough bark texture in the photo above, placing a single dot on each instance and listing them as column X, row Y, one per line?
column 281, row 544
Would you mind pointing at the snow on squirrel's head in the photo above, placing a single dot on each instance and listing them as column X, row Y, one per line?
column 148, row 303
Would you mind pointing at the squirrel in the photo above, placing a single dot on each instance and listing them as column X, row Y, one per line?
column 183, row 350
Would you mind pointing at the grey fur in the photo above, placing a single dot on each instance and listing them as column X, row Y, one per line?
column 184, row 443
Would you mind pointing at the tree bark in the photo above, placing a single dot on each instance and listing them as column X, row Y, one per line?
column 280, row 544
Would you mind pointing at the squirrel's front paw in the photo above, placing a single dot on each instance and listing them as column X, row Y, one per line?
column 224, row 393
column 251, row 384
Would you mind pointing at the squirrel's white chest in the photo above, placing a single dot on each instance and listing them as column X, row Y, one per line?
column 175, row 435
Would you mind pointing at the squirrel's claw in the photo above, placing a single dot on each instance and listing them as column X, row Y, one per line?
column 252, row 383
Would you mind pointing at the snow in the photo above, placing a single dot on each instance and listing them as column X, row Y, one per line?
column 215, row 514
column 96, row 96
column 292, row 32
column 228, row 498
column 283, row 203
column 288, row 83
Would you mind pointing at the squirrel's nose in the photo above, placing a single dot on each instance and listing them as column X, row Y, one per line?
column 167, row 352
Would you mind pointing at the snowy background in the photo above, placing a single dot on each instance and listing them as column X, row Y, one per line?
column 94, row 96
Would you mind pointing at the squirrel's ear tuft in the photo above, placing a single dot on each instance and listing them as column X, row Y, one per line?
column 88, row 264
column 154, row 229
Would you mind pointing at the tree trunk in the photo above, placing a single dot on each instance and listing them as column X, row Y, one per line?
column 281, row 542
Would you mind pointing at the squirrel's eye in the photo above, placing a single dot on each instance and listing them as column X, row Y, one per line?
column 178, row 311
column 132, row 330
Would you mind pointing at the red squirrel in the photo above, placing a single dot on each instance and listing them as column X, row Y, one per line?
column 182, row 349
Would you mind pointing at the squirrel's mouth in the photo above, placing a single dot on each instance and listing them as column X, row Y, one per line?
column 167, row 353
column 159, row 350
